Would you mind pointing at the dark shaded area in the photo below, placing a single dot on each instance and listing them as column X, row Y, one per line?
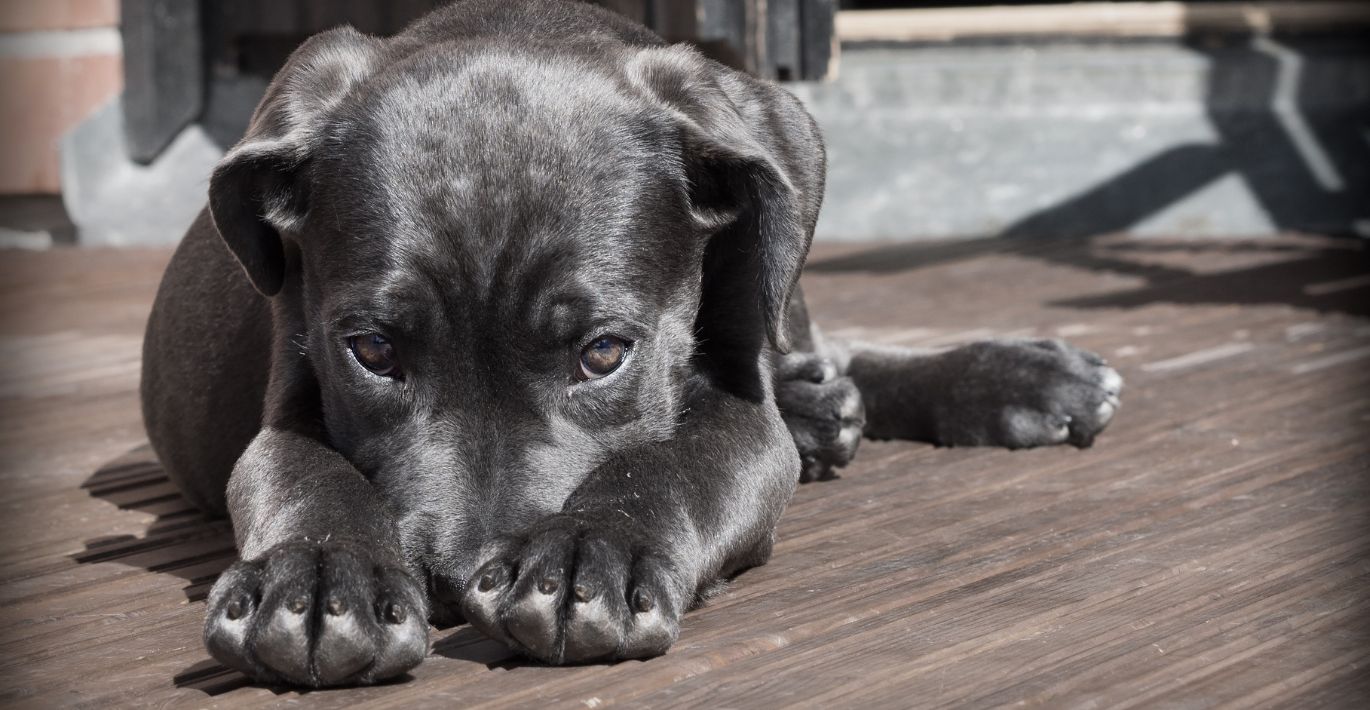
column 1326, row 279
column 182, row 542
column 468, row 644
column 37, row 214
column 211, row 678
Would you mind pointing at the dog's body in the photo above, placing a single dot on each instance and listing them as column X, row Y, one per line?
column 528, row 275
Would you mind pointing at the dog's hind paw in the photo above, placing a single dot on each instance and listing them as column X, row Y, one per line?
column 824, row 413
column 317, row 615
column 1025, row 393
column 573, row 590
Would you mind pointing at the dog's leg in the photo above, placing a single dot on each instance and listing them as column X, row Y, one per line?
column 1012, row 393
column 321, row 596
column 609, row 577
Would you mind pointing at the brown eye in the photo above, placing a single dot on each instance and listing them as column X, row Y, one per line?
column 375, row 353
column 602, row 356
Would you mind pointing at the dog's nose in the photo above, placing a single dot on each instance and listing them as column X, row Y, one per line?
column 444, row 595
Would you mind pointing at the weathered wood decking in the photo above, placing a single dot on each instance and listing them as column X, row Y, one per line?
column 1212, row 549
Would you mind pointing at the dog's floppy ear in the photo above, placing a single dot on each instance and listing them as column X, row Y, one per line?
column 754, row 161
column 260, row 189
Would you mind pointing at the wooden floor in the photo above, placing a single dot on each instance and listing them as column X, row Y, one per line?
column 1212, row 549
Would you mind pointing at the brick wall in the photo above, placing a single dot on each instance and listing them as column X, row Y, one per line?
column 59, row 61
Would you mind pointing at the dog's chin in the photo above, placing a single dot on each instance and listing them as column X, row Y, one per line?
column 444, row 602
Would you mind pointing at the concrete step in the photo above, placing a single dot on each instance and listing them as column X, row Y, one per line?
column 1050, row 136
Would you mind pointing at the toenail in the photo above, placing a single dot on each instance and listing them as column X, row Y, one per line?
column 548, row 585
column 643, row 601
column 298, row 604
column 583, row 593
column 336, row 606
column 487, row 582
column 395, row 613
column 234, row 610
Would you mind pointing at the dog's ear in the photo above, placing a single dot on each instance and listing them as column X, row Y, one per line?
column 754, row 163
column 260, row 190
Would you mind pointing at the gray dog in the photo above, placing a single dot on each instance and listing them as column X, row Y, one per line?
column 497, row 321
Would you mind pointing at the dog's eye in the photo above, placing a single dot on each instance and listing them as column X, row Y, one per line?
column 602, row 356
column 375, row 353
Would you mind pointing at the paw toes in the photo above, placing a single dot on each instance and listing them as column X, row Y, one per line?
column 594, row 629
column 344, row 646
column 573, row 596
column 653, row 629
column 532, row 621
column 826, row 422
column 481, row 605
column 807, row 367
column 312, row 615
column 1110, row 381
column 1104, row 412
column 655, row 614
column 282, row 643
column 233, row 605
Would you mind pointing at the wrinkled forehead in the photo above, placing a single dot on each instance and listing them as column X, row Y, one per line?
column 505, row 167
column 508, row 134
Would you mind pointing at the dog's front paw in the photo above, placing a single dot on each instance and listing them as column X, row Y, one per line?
column 1024, row 393
column 823, row 412
column 573, row 590
column 317, row 615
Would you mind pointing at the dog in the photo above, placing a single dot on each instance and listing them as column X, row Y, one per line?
column 496, row 321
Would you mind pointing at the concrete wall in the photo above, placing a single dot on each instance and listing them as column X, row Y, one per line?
column 1236, row 136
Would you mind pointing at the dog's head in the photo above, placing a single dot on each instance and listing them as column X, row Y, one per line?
column 503, row 266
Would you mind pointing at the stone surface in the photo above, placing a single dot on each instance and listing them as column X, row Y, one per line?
column 1056, row 137
column 115, row 201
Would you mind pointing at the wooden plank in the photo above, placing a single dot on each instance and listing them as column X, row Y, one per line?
column 1209, row 550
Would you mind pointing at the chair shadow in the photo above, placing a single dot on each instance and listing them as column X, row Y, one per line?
column 1316, row 274
column 1324, row 280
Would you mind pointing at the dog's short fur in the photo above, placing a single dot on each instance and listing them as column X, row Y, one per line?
column 490, row 191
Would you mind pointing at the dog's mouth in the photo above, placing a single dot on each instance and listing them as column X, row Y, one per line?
column 444, row 601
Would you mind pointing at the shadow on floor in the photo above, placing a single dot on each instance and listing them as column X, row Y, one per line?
column 1316, row 274
column 184, row 542
column 181, row 541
